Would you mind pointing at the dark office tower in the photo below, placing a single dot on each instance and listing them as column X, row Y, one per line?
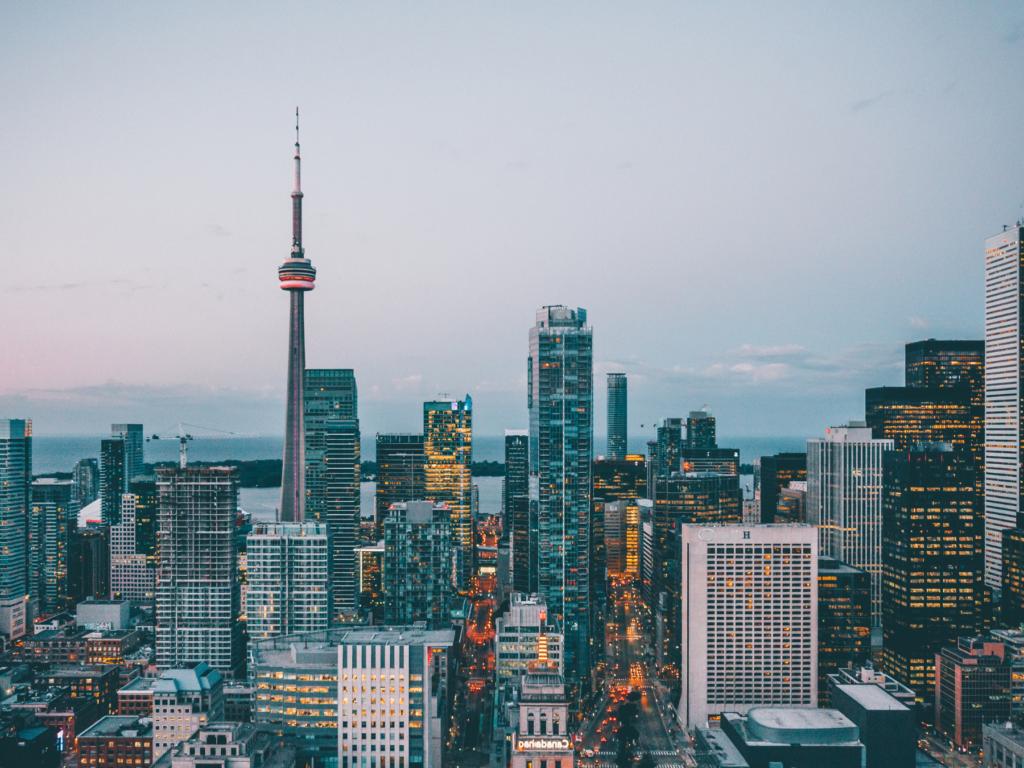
column 700, row 430
column 524, row 544
column 112, row 480
column 670, row 446
column 844, row 620
column 617, row 447
column 621, row 479
column 134, row 440
column 147, row 507
column 598, row 571
column 448, row 450
column 909, row 415
column 932, row 569
column 517, row 471
column 86, row 478
column 89, row 564
column 331, row 422
column 948, row 364
column 15, row 498
column 54, row 508
column 777, row 472
column 1011, row 604
column 198, row 595
column 417, row 559
column 561, row 402
column 652, row 466
column 400, row 474
column 719, row 461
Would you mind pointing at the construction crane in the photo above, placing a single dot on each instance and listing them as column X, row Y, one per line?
column 184, row 438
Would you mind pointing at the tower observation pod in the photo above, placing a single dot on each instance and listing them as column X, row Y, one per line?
column 297, row 276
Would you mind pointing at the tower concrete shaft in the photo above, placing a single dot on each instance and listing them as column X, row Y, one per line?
column 297, row 276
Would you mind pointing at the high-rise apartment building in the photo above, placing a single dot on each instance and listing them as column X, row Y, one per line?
column 524, row 544
column 400, row 474
column 86, row 477
column 1004, row 450
column 331, row 408
column 112, row 479
column 621, row 479
column 652, row 465
column 417, row 558
column 525, row 638
column 670, row 446
column 15, row 498
column 700, row 430
column 448, row 447
column 932, row 568
column 134, row 442
column 147, row 509
column 617, row 431
column 560, row 398
column 54, row 508
column 517, row 472
column 777, row 472
column 844, row 620
column 197, row 603
column 89, row 563
column 749, row 603
column 287, row 578
column 131, row 577
column 844, row 499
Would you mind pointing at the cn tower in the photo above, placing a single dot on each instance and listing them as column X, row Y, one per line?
column 296, row 276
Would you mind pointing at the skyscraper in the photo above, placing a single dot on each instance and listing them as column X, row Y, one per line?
column 700, row 430
column 15, row 495
column 417, row 554
column 776, row 473
column 297, row 276
column 55, row 506
column 844, row 620
column 448, row 450
column 621, row 478
column 112, row 479
column 844, row 499
column 932, row 569
column 134, row 440
column 198, row 596
column 524, row 544
column 749, row 600
column 517, row 472
column 287, row 578
column 1004, row 450
column 331, row 484
column 131, row 577
column 670, row 446
column 147, row 509
column 86, row 477
column 617, row 431
column 400, row 474
column 560, row 397
column 948, row 364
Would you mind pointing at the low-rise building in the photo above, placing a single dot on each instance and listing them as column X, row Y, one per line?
column 972, row 687
column 56, row 708
column 542, row 731
column 98, row 682
column 56, row 646
column 228, row 745
column 238, row 702
column 1013, row 643
column 1002, row 745
column 887, row 727
column 869, row 676
column 110, row 647
column 136, row 698
column 103, row 614
column 185, row 699
column 116, row 741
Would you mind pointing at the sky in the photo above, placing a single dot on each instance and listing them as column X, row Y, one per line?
column 757, row 204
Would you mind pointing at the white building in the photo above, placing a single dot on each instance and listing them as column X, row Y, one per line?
column 287, row 579
column 749, row 619
column 394, row 692
column 525, row 637
column 130, row 577
column 844, row 499
column 185, row 700
column 1002, row 393
column 15, row 483
column 542, row 736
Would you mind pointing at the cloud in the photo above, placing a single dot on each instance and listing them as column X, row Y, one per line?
column 219, row 231
column 784, row 350
column 865, row 103
column 408, row 383
column 917, row 322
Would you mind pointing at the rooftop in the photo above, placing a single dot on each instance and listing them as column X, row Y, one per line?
column 1006, row 732
column 872, row 697
column 320, row 648
column 140, row 685
column 794, row 725
column 193, row 678
column 118, row 725
column 725, row 752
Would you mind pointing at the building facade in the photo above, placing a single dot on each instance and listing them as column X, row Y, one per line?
column 417, row 555
column 542, row 733
column 185, row 699
column 776, row 473
column 670, row 445
column 972, row 687
column 844, row 620
column 749, row 618
column 700, row 430
column 525, row 639
column 621, row 479
column 517, row 473
column 331, row 407
column 288, row 578
column 932, row 566
column 54, row 509
column 1003, row 392
column 198, row 598
column 560, row 387
column 86, row 478
column 617, row 417
column 400, row 474
column 448, row 449
column 131, row 577
column 116, row 740
column 844, row 499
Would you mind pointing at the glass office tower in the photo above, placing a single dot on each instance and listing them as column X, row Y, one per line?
column 448, row 457
column 617, row 390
